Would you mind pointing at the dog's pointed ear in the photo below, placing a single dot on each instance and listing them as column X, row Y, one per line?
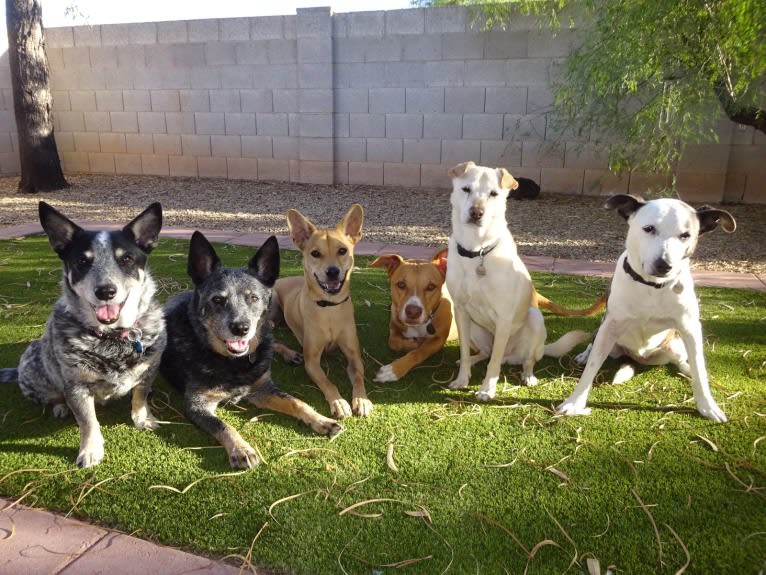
column 440, row 260
column 507, row 181
column 301, row 229
column 59, row 229
column 351, row 224
column 264, row 265
column 625, row 204
column 460, row 170
column 389, row 261
column 203, row 260
column 145, row 228
column 710, row 217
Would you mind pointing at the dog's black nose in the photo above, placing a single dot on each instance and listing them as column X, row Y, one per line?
column 661, row 267
column 106, row 292
column 413, row 312
column 239, row 327
column 332, row 273
column 476, row 213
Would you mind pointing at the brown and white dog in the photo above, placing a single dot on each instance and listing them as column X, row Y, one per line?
column 652, row 314
column 421, row 311
column 317, row 306
column 495, row 303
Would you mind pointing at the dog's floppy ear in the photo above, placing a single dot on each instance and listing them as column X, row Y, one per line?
column 301, row 229
column 60, row 229
column 351, row 224
column 507, row 181
column 145, row 228
column 440, row 260
column 625, row 204
column 264, row 265
column 203, row 260
column 389, row 261
column 460, row 170
column 710, row 217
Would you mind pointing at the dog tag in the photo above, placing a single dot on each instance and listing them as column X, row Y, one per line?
column 138, row 347
column 430, row 328
column 481, row 271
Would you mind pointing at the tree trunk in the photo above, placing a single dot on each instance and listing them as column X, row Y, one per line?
column 40, row 165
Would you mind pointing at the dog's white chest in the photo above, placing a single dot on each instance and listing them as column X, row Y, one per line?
column 416, row 332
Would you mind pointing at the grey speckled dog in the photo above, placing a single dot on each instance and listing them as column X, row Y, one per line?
column 220, row 346
column 106, row 334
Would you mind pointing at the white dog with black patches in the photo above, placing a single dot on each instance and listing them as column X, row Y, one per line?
column 652, row 312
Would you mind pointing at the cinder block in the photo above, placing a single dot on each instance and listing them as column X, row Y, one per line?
column 219, row 54
column 258, row 100
column 86, row 142
column 192, row 145
column 97, row 122
column 225, row 101
column 539, row 99
column 644, row 184
column 402, row 175
column 446, row 20
column 235, row 29
column 204, row 79
column 127, row 164
column 506, row 100
column 172, row 32
column 189, row 55
column 524, row 128
column 562, row 181
column 400, row 22
column 315, row 149
column 443, row 126
column 74, row 162
column 387, row 100
column 143, row 33
column 116, row 78
column 353, row 101
column 271, row 124
column 435, row 176
column 155, row 165
column 500, row 154
column 444, row 73
column 210, row 123
column 711, row 158
column 347, row 50
column 315, row 101
column 463, row 46
column 226, row 146
column 315, row 75
column 159, row 56
column 464, row 100
column 340, row 173
column 242, row 168
column 182, row 166
column 424, row 100
column 404, row 126
column 367, row 24
column 101, row 163
column 341, row 126
column 315, row 125
column 167, row 145
column 314, row 22
column 504, row 45
column 126, row 122
column 304, row 51
column 700, row 187
column 485, row 73
column 457, row 151
column 316, row 172
column 367, row 125
column 109, row 101
column 360, row 75
column 76, row 58
column 257, row 147
column 365, row 173
column 151, row 123
column 137, row 100
column 421, row 48
column 350, row 150
column 165, row 100
column 286, row 100
column 212, row 167
column 405, row 74
column 267, row 27
column 278, row 76
column 82, row 101
column 543, row 44
column 285, row 148
column 238, row 124
column 59, row 37
column 586, row 156
column 87, row 35
column 100, row 57
column 529, row 72
column 274, row 170
column 179, row 122
column 131, row 56
column 422, row 151
column 115, row 34
column 139, row 143
column 69, row 121
column 535, row 154
column 203, row 31
column 385, row 49
column 384, row 150
column 603, row 183
column 195, row 100
column 109, row 143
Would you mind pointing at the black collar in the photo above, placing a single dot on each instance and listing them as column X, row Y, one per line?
column 481, row 252
column 327, row 303
column 634, row 274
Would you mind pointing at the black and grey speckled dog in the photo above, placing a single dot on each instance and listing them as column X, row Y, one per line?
column 220, row 346
column 106, row 334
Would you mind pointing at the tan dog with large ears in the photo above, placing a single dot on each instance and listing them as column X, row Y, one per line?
column 421, row 311
column 317, row 305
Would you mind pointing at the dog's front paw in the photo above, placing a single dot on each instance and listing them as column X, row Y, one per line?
column 582, row 357
column 90, row 454
column 361, row 406
column 386, row 374
column 529, row 380
column 712, row 412
column 458, row 384
column 571, row 408
column 340, row 408
column 146, row 421
column 61, row 410
column 326, row 426
column 243, row 456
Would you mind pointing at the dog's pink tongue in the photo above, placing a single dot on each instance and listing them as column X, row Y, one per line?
column 107, row 313
column 237, row 345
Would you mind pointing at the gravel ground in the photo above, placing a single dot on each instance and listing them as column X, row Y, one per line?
column 561, row 226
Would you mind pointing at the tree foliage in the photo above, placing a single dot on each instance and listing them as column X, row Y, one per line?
column 649, row 77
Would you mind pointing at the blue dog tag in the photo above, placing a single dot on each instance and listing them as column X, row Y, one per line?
column 138, row 347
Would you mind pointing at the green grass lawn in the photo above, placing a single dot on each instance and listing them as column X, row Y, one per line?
column 431, row 482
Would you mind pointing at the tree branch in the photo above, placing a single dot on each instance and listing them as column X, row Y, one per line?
column 746, row 115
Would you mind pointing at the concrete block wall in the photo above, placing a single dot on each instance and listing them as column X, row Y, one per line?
column 389, row 98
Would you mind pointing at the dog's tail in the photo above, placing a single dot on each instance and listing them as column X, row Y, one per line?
column 543, row 302
column 565, row 343
column 9, row 375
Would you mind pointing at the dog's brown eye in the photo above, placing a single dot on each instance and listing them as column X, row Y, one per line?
column 254, row 298
column 685, row 236
column 467, row 190
column 218, row 300
column 82, row 261
column 493, row 194
column 126, row 260
column 316, row 254
column 342, row 251
column 401, row 285
column 430, row 287
column 650, row 229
